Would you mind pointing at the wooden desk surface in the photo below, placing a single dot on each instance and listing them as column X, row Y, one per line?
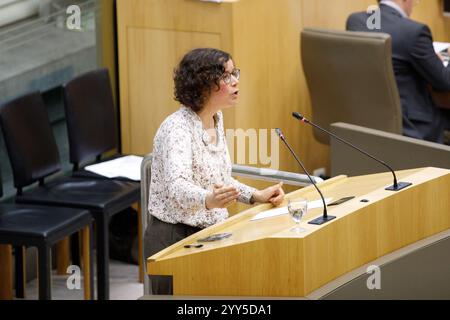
column 245, row 230
column 300, row 263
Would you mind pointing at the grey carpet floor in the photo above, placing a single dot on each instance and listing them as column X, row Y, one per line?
column 124, row 285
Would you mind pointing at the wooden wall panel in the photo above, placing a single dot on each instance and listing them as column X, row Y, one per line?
column 153, row 36
column 331, row 14
column 430, row 13
column 151, row 71
column 264, row 39
column 106, row 42
column 272, row 83
column 272, row 86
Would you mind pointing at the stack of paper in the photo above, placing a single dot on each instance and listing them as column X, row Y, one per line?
column 127, row 167
column 440, row 46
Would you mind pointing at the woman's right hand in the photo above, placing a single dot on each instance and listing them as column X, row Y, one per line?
column 221, row 197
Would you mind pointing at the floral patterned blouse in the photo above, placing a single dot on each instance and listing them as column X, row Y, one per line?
column 185, row 167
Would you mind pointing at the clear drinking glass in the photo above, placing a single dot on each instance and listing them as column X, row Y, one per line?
column 297, row 208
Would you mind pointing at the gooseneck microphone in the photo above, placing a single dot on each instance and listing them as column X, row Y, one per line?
column 395, row 187
column 325, row 217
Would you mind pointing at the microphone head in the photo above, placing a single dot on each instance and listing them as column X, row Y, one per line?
column 297, row 115
column 279, row 133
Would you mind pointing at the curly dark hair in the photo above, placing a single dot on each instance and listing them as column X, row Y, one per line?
column 197, row 73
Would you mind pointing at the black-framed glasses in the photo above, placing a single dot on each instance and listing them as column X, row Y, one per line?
column 236, row 73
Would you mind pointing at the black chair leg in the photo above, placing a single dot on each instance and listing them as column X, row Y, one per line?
column 19, row 272
column 75, row 248
column 102, row 223
column 44, row 273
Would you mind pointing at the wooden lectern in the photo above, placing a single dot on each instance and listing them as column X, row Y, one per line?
column 264, row 258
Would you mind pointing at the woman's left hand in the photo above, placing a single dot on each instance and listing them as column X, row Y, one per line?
column 273, row 194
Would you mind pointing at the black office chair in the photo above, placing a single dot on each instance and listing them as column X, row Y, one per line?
column 34, row 156
column 91, row 120
column 41, row 227
column 92, row 126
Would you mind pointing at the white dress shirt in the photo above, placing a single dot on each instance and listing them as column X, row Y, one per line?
column 395, row 6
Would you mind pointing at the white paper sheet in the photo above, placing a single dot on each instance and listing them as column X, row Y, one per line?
column 127, row 166
column 441, row 46
column 283, row 210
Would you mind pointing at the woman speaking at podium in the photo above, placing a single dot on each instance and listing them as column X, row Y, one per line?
column 191, row 184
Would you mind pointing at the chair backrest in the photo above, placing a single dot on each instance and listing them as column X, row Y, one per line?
column 90, row 115
column 29, row 139
column 146, row 175
column 398, row 151
column 351, row 79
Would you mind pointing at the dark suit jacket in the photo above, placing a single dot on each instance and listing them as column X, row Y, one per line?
column 415, row 65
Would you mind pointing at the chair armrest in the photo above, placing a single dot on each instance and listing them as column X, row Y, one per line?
column 146, row 167
column 265, row 174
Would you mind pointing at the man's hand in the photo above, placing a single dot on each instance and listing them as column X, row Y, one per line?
column 221, row 197
column 273, row 194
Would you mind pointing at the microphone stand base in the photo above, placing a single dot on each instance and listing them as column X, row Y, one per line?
column 321, row 220
column 400, row 186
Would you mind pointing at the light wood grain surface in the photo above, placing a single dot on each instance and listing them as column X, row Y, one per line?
column 265, row 258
